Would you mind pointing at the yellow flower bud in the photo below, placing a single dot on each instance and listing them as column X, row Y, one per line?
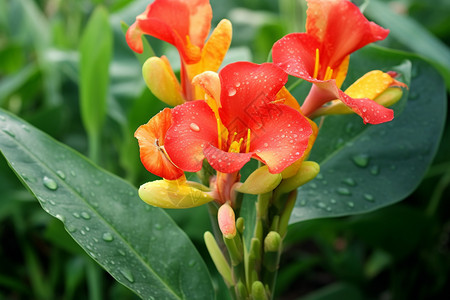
column 259, row 182
column 173, row 194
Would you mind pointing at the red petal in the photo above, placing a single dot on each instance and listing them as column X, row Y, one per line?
column 182, row 23
column 194, row 127
column 151, row 136
column 369, row 110
column 295, row 53
column 341, row 27
column 282, row 139
column 245, row 87
column 226, row 162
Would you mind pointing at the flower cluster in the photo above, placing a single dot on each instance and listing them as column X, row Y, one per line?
column 220, row 121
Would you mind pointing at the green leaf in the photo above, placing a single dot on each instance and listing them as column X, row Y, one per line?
column 95, row 56
column 137, row 244
column 365, row 167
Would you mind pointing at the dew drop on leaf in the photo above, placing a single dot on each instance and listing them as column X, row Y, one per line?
column 85, row 215
column 127, row 274
column 361, row 160
column 344, row 191
column 107, row 237
column 70, row 228
column 50, row 183
column 9, row 132
column 76, row 215
column 349, row 181
column 61, row 174
column 369, row 197
column 350, row 204
column 375, row 170
column 158, row 226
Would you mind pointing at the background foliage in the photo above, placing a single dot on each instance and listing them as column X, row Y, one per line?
column 398, row 252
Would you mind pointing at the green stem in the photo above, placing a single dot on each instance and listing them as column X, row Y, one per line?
column 437, row 194
column 94, row 146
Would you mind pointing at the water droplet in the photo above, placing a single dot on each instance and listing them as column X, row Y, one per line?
column 9, row 132
column 349, row 127
column 303, row 202
column 321, row 205
column 60, row 217
column 350, row 204
column 194, row 127
column 25, row 127
column 157, row 226
column 82, row 232
column 76, row 215
column 349, row 181
column 344, row 191
column 127, row 274
column 107, row 237
column 191, row 263
column 72, row 172
column 61, row 174
column 231, row 91
column 361, row 160
column 375, row 170
column 50, row 183
column 369, row 197
column 85, row 215
column 70, row 228
column 121, row 252
column 333, row 201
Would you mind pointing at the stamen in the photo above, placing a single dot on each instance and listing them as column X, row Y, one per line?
column 236, row 146
column 316, row 66
column 247, row 146
column 328, row 74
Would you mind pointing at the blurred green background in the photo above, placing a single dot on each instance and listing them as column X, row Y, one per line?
column 398, row 252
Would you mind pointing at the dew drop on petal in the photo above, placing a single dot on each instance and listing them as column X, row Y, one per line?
column 231, row 92
column 194, row 127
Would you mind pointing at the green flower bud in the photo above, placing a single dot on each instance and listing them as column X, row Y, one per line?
column 259, row 182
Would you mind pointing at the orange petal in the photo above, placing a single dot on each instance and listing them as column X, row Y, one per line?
column 160, row 79
column 151, row 137
column 286, row 98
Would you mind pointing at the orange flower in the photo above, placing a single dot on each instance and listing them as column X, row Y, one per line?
column 184, row 24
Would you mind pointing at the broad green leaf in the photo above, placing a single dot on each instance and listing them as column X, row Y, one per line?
column 137, row 244
column 365, row 167
column 413, row 35
column 95, row 56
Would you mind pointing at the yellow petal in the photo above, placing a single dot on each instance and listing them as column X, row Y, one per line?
column 209, row 82
column 370, row 85
column 173, row 194
column 162, row 82
column 341, row 71
column 307, row 172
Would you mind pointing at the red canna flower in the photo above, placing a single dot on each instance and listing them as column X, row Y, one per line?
column 334, row 29
column 186, row 25
column 247, row 121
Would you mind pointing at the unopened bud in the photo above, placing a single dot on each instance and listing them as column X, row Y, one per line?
column 390, row 96
column 226, row 220
column 162, row 82
column 307, row 172
column 272, row 242
column 259, row 182
column 173, row 194
column 258, row 291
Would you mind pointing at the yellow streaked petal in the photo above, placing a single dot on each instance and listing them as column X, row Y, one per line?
column 160, row 79
column 288, row 99
column 341, row 71
column 217, row 46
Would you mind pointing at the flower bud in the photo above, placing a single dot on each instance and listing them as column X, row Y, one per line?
column 390, row 96
column 160, row 79
column 173, row 194
column 307, row 172
column 259, row 182
column 226, row 220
